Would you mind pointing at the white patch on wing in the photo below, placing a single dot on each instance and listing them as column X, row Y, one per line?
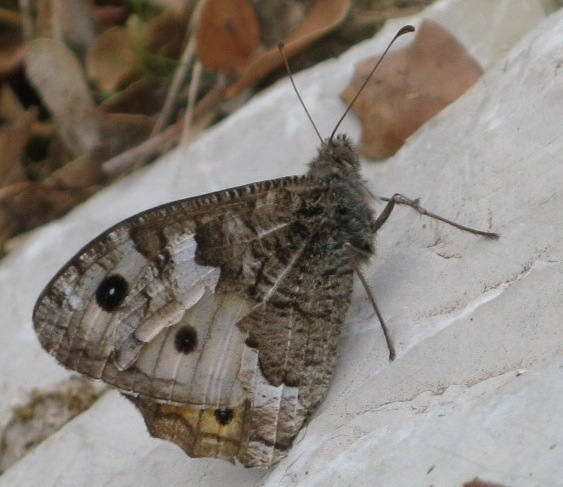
column 276, row 409
column 170, row 295
column 76, row 303
column 208, row 375
column 190, row 278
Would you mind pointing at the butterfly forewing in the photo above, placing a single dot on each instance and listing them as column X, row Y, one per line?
column 218, row 316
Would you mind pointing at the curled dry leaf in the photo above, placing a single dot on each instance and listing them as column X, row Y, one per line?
column 112, row 61
column 323, row 18
column 227, row 35
column 409, row 87
column 106, row 15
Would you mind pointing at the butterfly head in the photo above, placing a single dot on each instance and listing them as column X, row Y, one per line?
column 337, row 158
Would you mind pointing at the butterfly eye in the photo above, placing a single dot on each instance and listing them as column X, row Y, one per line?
column 111, row 292
column 224, row 416
column 186, row 340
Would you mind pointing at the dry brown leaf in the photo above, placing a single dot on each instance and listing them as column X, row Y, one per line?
column 409, row 87
column 227, row 35
column 80, row 173
column 137, row 97
column 113, row 60
column 69, row 98
column 106, row 15
column 166, row 33
column 323, row 17
column 122, row 55
column 12, row 59
column 13, row 139
column 120, row 131
column 10, row 107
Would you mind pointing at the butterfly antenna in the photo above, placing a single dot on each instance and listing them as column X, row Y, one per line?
column 281, row 47
column 404, row 30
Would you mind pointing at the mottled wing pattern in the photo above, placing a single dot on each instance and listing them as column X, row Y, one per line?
column 218, row 316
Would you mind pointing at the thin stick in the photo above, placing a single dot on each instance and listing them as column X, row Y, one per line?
column 177, row 82
column 192, row 95
column 124, row 161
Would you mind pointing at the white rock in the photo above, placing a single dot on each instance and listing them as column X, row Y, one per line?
column 467, row 314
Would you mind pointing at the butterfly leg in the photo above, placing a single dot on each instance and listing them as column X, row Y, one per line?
column 355, row 265
column 384, row 215
column 399, row 199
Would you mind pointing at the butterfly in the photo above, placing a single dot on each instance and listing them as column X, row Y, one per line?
column 219, row 316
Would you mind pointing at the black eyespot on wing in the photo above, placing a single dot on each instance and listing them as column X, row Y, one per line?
column 111, row 292
column 186, row 340
column 224, row 416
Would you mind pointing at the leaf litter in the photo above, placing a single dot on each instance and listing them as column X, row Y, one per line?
column 92, row 89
